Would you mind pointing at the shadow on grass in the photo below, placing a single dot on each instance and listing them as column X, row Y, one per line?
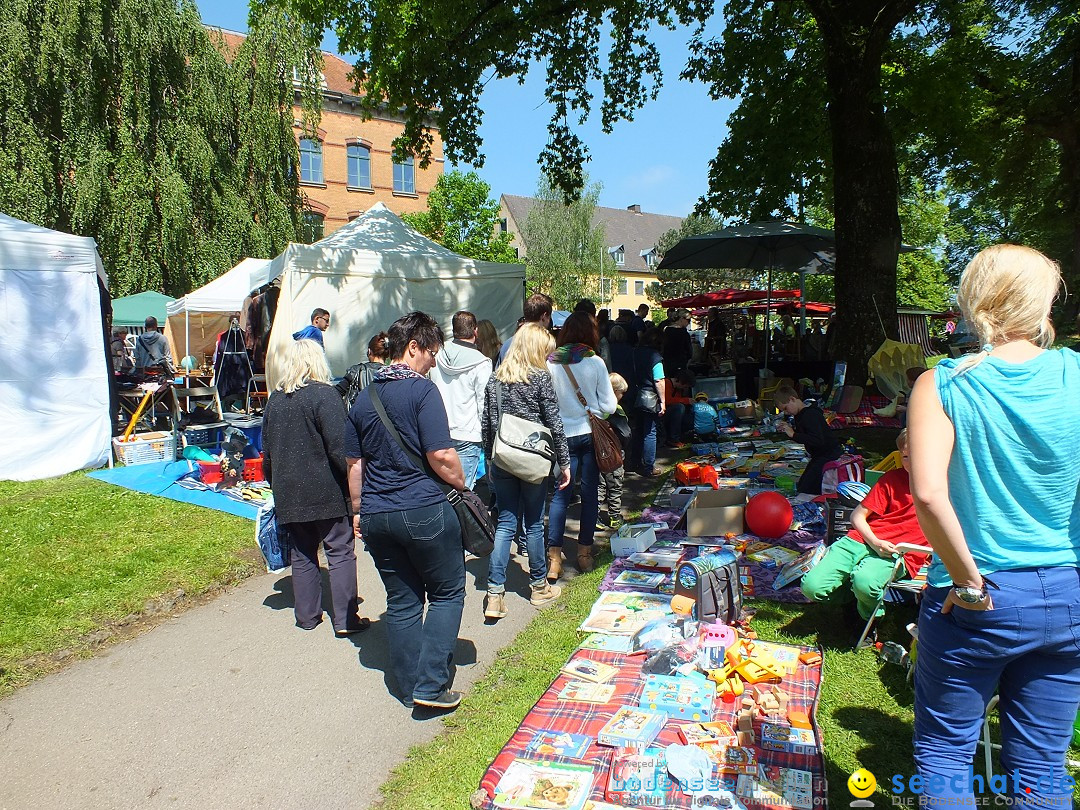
column 884, row 749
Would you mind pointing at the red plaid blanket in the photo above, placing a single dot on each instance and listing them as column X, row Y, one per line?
column 864, row 416
column 552, row 714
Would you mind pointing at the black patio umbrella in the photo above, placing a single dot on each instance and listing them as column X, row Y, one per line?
column 789, row 246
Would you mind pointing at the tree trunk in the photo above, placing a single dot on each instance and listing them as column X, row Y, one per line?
column 866, row 185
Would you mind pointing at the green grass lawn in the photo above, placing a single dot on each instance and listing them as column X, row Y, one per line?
column 78, row 555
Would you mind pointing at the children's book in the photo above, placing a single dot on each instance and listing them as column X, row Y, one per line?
column 588, row 670
column 585, row 692
column 606, row 643
column 640, row 579
column 734, row 759
column 631, row 727
column 544, row 785
column 623, row 614
column 794, row 570
column 559, row 744
column 770, row 554
column 715, row 733
column 639, row 779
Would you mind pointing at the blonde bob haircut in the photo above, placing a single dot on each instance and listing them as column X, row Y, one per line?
column 527, row 353
column 1006, row 293
column 305, row 362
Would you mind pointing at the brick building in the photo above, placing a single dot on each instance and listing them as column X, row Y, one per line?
column 630, row 234
column 349, row 165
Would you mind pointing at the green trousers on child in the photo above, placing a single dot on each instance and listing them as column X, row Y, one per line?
column 849, row 565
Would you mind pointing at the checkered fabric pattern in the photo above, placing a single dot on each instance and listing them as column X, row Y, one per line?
column 863, row 416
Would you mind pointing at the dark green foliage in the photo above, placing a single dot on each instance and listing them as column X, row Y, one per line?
column 128, row 122
column 462, row 216
column 678, row 283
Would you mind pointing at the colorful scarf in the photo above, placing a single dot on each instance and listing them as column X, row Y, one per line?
column 570, row 353
column 396, row 371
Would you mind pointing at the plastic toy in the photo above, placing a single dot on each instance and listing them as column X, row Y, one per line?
column 810, row 658
column 769, row 515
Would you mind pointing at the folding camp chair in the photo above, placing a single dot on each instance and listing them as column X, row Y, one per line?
column 897, row 590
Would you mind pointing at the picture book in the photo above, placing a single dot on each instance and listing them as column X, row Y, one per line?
column 585, row 692
column 656, row 559
column 624, row 614
column 715, row 733
column 606, row 643
column 639, row 779
column 559, row 744
column 544, row 785
column 794, row 570
column 734, row 759
column 640, row 579
column 770, row 554
column 631, row 727
column 588, row 670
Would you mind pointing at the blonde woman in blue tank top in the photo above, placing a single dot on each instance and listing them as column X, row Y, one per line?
column 995, row 457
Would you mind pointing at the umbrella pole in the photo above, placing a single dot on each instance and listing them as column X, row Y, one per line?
column 768, row 331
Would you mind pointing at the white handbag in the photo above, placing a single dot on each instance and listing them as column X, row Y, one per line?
column 522, row 448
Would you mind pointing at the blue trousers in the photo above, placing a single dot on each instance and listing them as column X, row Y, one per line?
column 520, row 503
column 1027, row 649
column 469, row 453
column 420, row 559
column 582, row 460
column 646, row 450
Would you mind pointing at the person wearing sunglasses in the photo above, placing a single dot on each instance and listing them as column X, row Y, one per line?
column 320, row 322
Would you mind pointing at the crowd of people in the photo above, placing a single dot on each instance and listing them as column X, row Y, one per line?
column 988, row 479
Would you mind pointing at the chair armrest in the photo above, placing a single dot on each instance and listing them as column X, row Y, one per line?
column 910, row 548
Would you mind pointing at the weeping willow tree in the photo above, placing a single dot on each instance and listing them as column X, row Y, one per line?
column 131, row 122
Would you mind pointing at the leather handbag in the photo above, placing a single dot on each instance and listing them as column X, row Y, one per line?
column 606, row 445
column 647, row 398
column 522, row 447
column 477, row 530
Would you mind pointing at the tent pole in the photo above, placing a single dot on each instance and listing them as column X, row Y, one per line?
column 802, row 300
column 187, row 333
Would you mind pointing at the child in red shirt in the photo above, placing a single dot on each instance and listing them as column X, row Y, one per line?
column 863, row 560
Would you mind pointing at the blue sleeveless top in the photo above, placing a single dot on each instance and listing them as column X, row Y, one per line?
column 1014, row 475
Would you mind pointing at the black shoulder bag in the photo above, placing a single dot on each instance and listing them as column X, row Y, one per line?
column 477, row 530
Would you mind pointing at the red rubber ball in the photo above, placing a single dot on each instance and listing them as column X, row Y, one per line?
column 769, row 514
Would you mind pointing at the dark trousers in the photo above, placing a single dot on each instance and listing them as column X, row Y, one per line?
column 420, row 558
column 335, row 534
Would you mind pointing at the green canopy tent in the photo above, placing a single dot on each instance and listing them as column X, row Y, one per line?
column 133, row 310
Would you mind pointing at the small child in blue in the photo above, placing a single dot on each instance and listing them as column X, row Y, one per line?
column 704, row 417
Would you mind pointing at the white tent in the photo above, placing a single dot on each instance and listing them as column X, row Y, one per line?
column 199, row 317
column 375, row 270
column 54, row 375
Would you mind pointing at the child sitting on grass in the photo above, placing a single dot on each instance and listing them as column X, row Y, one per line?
column 808, row 428
column 862, row 562
column 704, row 418
column 611, row 484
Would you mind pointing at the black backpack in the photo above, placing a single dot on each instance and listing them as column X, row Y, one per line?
column 356, row 379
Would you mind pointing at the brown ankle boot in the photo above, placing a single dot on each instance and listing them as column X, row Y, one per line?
column 585, row 561
column 554, row 558
column 495, row 606
column 544, row 593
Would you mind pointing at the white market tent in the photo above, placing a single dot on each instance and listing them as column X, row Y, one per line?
column 374, row 270
column 54, row 375
column 199, row 317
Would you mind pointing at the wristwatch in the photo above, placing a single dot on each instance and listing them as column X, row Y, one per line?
column 969, row 595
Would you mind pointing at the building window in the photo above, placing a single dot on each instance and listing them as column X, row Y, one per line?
column 311, row 161
column 359, row 159
column 404, row 177
column 639, row 288
column 624, row 287
column 311, row 229
column 502, row 225
column 650, row 257
column 618, row 255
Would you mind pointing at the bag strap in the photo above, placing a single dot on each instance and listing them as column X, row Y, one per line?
column 581, row 397
column 415, row 459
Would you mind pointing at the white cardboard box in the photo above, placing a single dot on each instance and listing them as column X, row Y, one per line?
column 632, row 538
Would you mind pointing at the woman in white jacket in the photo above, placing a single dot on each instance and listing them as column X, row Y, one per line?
column 575, row 361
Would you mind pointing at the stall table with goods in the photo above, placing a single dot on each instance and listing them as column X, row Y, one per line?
column 671, row 700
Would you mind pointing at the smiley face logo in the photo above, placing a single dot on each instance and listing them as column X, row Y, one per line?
column 861, row 783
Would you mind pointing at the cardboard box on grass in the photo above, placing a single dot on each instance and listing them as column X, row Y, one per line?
column 716, row 513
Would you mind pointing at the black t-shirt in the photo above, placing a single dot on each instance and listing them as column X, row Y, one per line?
column 392, row 483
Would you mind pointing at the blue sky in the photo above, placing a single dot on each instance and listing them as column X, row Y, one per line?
column 659, row 160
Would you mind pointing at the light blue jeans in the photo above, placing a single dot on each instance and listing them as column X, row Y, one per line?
column 469, row 453
column 1027, row 649
column 583, row 460
column 518, row 502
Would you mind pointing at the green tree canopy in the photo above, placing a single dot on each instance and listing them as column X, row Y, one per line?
column 677, row 283
column 462, row 216
column 126, row 121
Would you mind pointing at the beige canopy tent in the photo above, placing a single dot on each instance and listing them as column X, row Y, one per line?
column 199, row 317
column 374, row 270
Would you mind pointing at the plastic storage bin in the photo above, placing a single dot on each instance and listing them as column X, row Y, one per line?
column 716, row 388
column 145, row 448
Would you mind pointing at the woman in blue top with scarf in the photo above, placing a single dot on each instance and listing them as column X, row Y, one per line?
column 995, row 446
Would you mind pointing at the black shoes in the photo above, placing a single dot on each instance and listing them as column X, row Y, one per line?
column 447, row 700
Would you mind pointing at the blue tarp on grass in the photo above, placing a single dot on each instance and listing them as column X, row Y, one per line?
column 160, row 479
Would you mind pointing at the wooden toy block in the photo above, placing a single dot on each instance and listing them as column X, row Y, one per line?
column 799, row 719
column 782, row 699
column 748, row 704
column 746, row 738
column 745, row 721
column 810, row 658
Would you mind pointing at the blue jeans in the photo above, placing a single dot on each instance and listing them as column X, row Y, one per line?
column 582, row 460
column 469, row 453
column 647, row 433
column 419, row 556
column 519, row 503
column 1025, row 649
